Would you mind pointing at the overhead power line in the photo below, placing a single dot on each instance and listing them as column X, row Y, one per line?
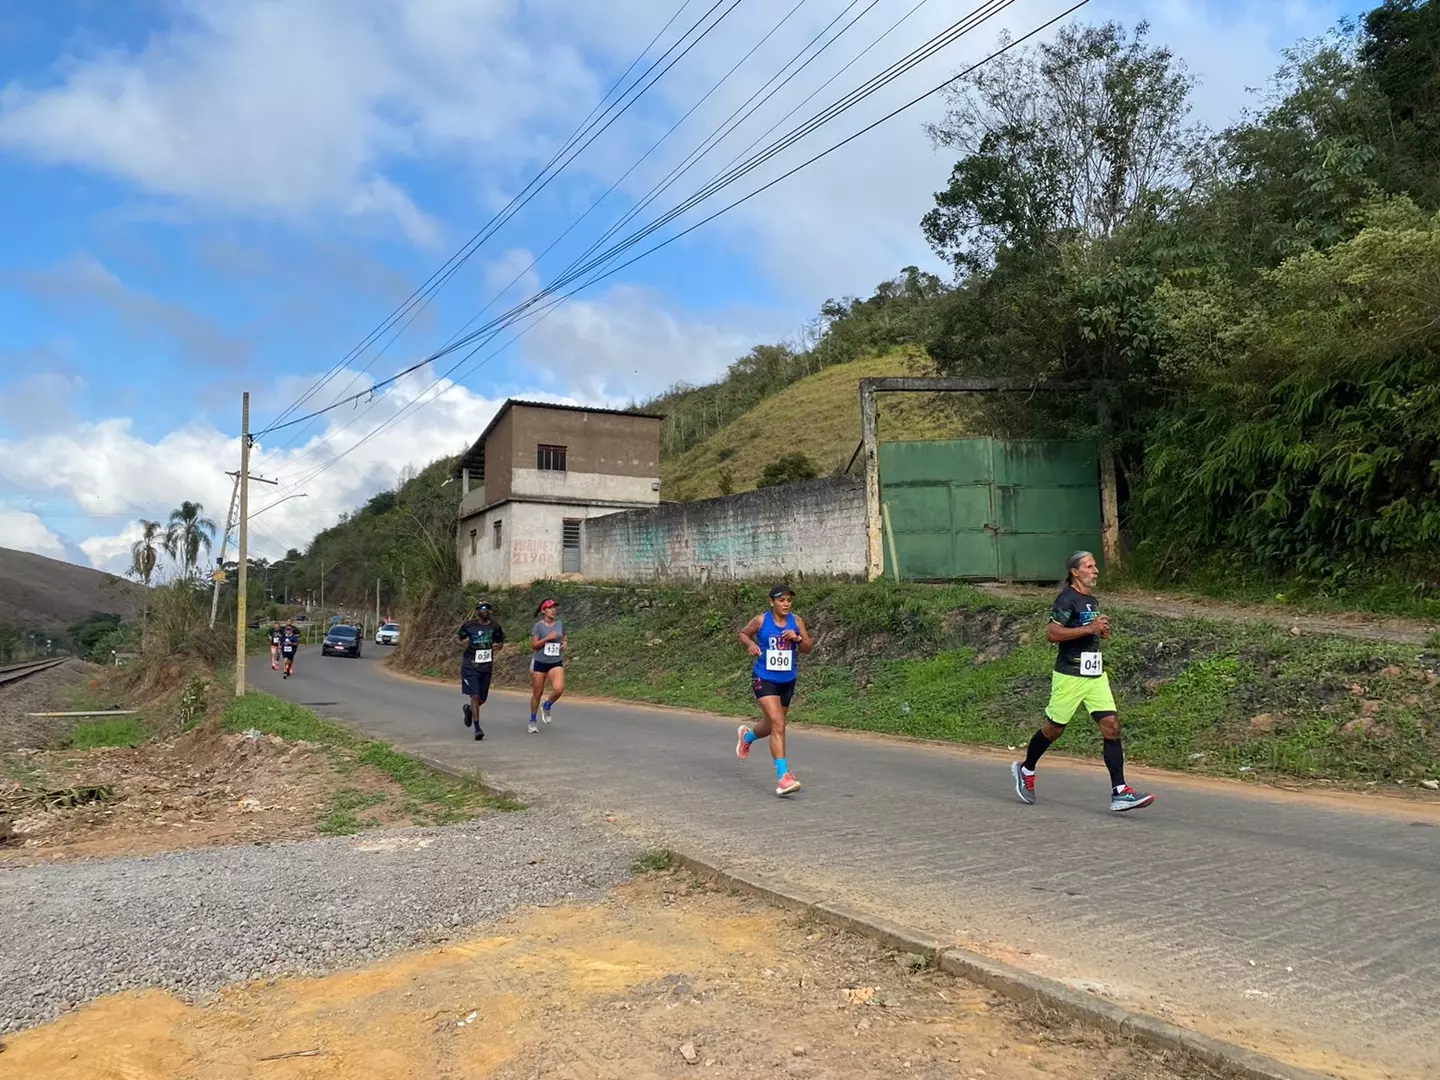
column 592, row 127
column 550, row 295
column 578, row 271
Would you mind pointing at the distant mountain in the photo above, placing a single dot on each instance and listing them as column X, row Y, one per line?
column 41, row 593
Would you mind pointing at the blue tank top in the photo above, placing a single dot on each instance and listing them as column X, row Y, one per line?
column 776, row 662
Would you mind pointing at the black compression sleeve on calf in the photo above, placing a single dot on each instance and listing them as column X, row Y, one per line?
column 1038, row 745
column 1115, row 762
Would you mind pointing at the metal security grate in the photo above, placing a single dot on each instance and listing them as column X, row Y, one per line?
column 550, row 458
column 570, row 547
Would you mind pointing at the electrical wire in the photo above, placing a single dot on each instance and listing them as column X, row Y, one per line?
column 437, row 281
column 985, row 11
column 595, row 205
column 946, row 37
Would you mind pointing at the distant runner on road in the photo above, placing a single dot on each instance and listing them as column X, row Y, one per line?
column 773, row 640
column 289, row 643
column 483, row 638
column 275, row 647
column 1079, row 679
column 547, row 664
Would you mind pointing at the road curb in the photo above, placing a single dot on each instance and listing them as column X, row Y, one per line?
column 1004, row 979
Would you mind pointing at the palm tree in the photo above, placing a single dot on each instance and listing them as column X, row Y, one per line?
column 187, row 534
column 143, row 552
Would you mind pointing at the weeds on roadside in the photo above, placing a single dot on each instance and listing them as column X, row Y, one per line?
column 121, row 731
column 654, row 861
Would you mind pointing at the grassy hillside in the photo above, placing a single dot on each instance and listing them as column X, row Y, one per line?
column 818, row 416
column 47, row 594
column 960, row 665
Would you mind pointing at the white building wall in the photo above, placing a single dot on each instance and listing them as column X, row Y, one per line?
column 546, row 484
column 533, row 534
column 485, row 563
column 815, row 528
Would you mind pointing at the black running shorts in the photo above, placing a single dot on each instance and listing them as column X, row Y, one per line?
column 475, row 682
column 783, row 690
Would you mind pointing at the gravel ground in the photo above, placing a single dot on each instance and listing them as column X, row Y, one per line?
column 193, row 921
column 49, row 691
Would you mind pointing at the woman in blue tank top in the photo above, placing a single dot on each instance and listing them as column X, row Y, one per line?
column 774, row 639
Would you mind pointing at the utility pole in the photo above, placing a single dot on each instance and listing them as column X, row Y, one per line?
column 322, row 585
column 225, row 543
column 377, row 605
column 242, row 577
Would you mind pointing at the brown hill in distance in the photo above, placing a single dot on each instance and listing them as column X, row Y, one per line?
column 49, row 594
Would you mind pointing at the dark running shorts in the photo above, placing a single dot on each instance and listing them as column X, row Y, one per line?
column 475, row 682
column 542, row 666
column 783, row 690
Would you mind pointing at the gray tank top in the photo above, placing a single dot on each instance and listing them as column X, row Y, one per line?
column 551, row 651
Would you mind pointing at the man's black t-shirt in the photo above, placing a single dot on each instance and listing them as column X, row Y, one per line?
column 480, row 641
column 1073, row 608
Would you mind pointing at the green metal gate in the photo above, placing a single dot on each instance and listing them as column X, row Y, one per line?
column 989, row 509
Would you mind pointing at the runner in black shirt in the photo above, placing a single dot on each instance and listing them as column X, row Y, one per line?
column 1079, row 679
column 483, row 638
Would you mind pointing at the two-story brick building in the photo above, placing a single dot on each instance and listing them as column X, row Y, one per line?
column 534, row 476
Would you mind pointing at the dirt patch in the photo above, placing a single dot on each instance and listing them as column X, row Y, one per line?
column 665, row 976
column 200, row 788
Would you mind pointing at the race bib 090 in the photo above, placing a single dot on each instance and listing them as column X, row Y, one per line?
column 482, row 656
column 552, row 648
column 1091, row 663
column 779, row 660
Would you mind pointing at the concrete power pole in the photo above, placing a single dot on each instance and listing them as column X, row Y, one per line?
column 377, row 605
column 322, row 586
column 242, row 577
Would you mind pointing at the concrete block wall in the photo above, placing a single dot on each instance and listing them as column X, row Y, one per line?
column 812, row 528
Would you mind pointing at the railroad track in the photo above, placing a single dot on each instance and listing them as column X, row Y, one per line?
column 15, row 672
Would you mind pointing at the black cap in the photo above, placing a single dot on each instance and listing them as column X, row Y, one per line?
column 482, row 605
column 777, row 591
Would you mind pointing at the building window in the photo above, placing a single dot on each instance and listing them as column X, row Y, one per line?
column 495, row 533
column 550, row 458
column 474, row 541
column 570, row 546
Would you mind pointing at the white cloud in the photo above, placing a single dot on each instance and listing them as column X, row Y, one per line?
column 301, row 107
column 24, row 531
column 380, row 196
column 290, row 108
column 628, row 343
column 112, row 553
column 42, row 401
column 85, row 278
column 109, row 471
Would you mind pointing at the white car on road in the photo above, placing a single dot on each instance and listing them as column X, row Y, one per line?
column 388, row 634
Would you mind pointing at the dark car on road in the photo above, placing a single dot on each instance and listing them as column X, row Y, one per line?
column 341, row 641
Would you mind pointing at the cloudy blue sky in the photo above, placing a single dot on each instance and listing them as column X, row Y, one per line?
column 210, row 196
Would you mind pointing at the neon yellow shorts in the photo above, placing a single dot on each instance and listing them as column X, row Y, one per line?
column 1069, row 692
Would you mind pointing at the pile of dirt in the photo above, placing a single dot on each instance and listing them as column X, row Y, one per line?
column 205, row 786
column 665, row 977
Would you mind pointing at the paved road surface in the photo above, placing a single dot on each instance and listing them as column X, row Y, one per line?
column 1306, row 929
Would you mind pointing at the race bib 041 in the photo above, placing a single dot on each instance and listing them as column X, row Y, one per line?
column 482, row 656
column 552, row 648
column 779, row 660
column 1091, row 663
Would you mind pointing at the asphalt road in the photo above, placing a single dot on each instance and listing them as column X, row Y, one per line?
column 1305, row 927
